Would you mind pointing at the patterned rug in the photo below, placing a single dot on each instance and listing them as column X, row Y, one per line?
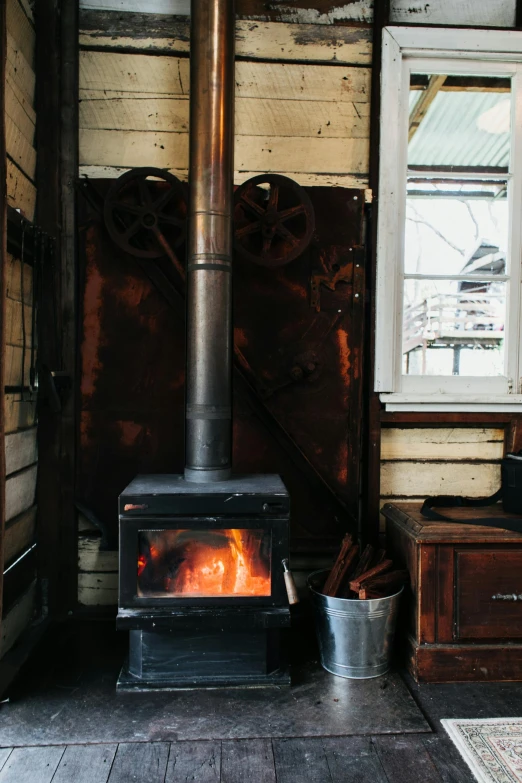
column 491, row 748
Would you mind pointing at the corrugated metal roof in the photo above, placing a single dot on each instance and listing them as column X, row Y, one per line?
column 453, row 131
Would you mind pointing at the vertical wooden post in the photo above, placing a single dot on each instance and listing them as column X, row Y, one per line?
column 372, row 457
column 68, row 292
column 48, row 217
column 3, row 262
column 57, row 168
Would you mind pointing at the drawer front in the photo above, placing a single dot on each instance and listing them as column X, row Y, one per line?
column 488, row 593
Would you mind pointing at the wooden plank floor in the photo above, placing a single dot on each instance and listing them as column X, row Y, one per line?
column 383, row 759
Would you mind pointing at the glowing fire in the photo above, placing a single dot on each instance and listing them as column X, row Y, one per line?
column 205, row 563
column 142, row 562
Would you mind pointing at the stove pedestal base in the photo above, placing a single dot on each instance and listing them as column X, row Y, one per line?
column 168, row 660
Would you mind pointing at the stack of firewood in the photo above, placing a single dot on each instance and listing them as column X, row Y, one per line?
column 366, row 575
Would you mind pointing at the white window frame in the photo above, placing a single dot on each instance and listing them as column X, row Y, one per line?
column 460, row 51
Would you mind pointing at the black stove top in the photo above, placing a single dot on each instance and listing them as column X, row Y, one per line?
column 172, row 494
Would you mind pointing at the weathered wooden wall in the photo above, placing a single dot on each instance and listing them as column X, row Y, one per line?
column 20, row 117
column 418, row 462
column 303, row 109
column 20, row 451
column 494, row 13
column 19, row 403
column 298, row 116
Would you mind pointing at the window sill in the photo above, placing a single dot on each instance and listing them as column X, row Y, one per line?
column 453, row 403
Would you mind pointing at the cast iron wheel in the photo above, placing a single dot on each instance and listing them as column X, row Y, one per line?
column 273, row 220
column 145, row 212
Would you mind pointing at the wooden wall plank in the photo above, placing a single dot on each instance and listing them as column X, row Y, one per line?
column 15, row 329
column 21, row 193
column 442, row 443
column 28, row 9
column 307, row 179
column 20, row 450
column 14, row 355
column 253, row 153
column 311, row 11
column 479, row 13
column 420, row 479
column 20, row 411
column 19, row 148
column 3, row 267
column 19, row 70
column 16, row 110
column 98, row 589
column 265, row 40
column 20, row 492
column 254, row 116
column 14, row 279
column 138, row 73
column 91, row 559
column 19, row 534
column 22, row 97
column 21, row 29
column 17, row 619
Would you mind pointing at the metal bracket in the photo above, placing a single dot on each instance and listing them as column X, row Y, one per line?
column 337, row 273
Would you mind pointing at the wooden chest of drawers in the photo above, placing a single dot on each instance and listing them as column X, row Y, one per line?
column 463, row 611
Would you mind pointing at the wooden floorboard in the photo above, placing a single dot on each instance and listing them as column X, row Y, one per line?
column 144, row 762
column 31, row 765
column 406, row 760
column 194, row 761
column 353, row 760
column 301, row 761
column 450, row 765
column 85, row 764
column 247, row 760
column 378, row 759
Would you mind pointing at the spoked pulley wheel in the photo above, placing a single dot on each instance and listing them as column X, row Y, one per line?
column 145, row 212
column 273, row 220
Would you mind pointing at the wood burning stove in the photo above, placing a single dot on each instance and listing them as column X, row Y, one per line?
column 202, row 588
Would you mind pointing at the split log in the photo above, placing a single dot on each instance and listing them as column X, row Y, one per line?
column 383, row 585
column 342, row 566
column 364, row 561
column 381, row 568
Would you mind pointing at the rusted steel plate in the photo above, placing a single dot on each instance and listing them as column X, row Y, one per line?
column 132, row 379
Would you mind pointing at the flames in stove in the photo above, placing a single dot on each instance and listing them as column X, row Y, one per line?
column 204, row 563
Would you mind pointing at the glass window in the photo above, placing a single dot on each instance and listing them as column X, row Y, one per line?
column 456, row 268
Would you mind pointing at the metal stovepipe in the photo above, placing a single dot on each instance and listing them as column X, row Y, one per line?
column 208, row 432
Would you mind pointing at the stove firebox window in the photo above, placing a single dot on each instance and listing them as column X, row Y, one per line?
column 204, row 563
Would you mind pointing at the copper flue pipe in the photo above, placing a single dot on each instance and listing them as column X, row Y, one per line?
column 208, row 431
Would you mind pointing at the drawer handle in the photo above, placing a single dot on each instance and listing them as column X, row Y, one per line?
column 508, row 597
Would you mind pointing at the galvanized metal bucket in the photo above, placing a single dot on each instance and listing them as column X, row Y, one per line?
column 355, row 637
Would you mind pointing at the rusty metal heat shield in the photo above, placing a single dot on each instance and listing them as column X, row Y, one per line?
column 208, row 430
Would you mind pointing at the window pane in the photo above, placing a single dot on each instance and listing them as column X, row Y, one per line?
column 459, row 121
column 453, row 327
column 456, row 234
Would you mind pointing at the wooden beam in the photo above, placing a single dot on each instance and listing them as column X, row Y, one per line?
column 68, row 579
column 3, row 266
column 464, row 83
column 160, row 34
column 48, row 218
column 371, row 455
column 423, row 104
